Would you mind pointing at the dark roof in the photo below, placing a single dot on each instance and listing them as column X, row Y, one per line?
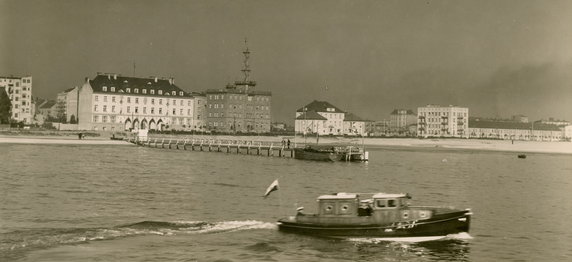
column 320, row 106
column 352, row 117
column 69, row 89
column 511, row 125
column 237, row 91
column 48, row 104
column 121, row 83
column 311, row 115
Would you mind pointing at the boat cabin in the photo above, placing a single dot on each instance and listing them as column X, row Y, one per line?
column 350, row 204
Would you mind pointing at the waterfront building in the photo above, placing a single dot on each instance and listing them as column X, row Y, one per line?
column 47, row 111
column 67, row 101
column 238, row 108
column 115, row 103
column 200, row 112
column 442, row 121
column 19, row 90
column 552, row 121
column 400, row 119
column 354, row 125
column 319, row 117
column 510, row 130
column 378, row 128
column 323, row 118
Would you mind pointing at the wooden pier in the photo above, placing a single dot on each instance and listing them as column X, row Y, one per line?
column 260, row 148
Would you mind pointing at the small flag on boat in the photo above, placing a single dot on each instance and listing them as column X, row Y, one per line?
column 272, row 187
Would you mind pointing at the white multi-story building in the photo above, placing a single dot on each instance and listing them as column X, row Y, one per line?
column 113, row 102
column 19, row 90
column 442, row 121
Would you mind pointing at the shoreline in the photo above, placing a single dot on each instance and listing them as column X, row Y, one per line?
column 59, row 140
column 456, row 144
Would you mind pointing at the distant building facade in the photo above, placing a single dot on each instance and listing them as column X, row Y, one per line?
column 443, row 121
column 200, row 112
column 510, row 130
column 19, row 90
column 552, row 121
column 402, row 118
column 68, row 100
column 115, row 103
column 520, row 118
column 238, row 108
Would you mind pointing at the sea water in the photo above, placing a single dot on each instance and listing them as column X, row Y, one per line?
column 128, row 203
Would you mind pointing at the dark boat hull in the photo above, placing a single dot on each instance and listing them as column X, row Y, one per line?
column 437, row 226
column 317, row 156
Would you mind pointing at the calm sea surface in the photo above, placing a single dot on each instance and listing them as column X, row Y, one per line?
column 127, row 203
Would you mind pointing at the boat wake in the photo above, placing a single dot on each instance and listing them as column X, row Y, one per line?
column 44, row 238
column 459, row 236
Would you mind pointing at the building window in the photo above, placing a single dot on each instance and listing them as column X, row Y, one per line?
column 144, row 91
column 128, row 109
column 160, row 111
column 128, row 90
column 104, row 108
column 181, row 111
column 152, row 110
column 104, row 98
column 96, row 98
column 112, row 89
column 152, row 101
column 152, row 91
column 189, row 112
column 136, row 100
column 128, row 99
column 189, row 103
column 95, row 108
column 181, row 103
column 113, row 109
column 160, row 101
column 104, row 89
column 104, row 119
column 136, row 90
column 181, row 93
column 174, row 93
column 144, row 110
column 113, row 99
column 160, row 92
column 136, row 110
column 95, row 119
column 174, row 111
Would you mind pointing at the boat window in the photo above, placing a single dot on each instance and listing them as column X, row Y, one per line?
column 391, row 203
column 380, row 203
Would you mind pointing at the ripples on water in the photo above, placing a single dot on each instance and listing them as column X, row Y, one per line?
column 123, row 203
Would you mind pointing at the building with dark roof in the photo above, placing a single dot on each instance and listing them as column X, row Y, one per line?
column 479, row 128
column 115, row 103
column 321, row 117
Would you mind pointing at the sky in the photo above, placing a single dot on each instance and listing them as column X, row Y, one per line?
column 499, row 58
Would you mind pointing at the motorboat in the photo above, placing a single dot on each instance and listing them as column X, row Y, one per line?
column 376, row 215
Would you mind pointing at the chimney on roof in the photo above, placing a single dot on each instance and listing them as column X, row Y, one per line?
column 114, row 76
column 109, row 76
column 171, row 80
column 87, row 80
column 156, row 79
